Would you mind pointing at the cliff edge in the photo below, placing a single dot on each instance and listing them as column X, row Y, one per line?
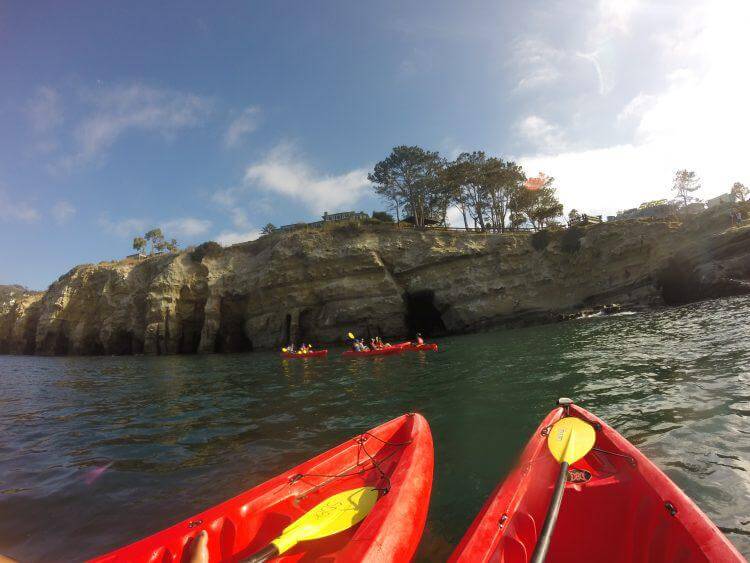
column 318, row 285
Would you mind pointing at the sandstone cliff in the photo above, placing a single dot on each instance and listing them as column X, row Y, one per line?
column 318, row 285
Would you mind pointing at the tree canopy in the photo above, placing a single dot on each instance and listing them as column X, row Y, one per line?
column 540, row 206
column 158, row 243
column 486, row 190
column 740, row 191
column 409, row 180
column 685, row 183
column 139, row 244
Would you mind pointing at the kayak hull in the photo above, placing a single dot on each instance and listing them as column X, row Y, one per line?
column 412, row 347
column 378, row 352
column 237, row 528
column 294, row 356
column 627, row 510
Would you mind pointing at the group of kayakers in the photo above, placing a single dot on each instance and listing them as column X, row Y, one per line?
column 358, row 344
column 303, row 349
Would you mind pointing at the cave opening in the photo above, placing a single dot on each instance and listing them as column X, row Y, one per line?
column 190, row 312
column 91, row 344
column 679, row 283
column 422, row 315
column 120, row 343
column 231, row 336
column 306, row 326
column 56, row 343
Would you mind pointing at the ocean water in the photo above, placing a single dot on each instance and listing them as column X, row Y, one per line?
column 97, row 452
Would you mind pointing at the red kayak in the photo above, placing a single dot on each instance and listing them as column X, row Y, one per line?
column 315, row 354
column 414, row 347
column 396, row 458
column 377, row 352
column 617, row 507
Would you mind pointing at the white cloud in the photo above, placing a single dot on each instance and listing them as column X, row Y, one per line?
column 44, row 110
column 137, row 107
column 183, row 227
column 545, row 136
column 450, row 148
column 226, row 197
column 129, row 227
column 613, row 17
column 17, row 210
column 285, row 172
column 537, row 62
column 63, row 211
column 239, row 218
column 698, row 121
column 636, row 107
column 186, row 227
column 228, row 238
column 540, row 62
column 244, row 124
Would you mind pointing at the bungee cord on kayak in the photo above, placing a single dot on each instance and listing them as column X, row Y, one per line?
column 376, row 465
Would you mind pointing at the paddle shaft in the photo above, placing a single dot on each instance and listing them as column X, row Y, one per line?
column 540, row 551
column 263, row 555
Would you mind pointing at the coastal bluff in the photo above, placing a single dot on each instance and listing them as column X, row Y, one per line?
column 317, row 285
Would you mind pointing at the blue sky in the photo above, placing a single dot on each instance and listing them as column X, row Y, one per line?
column 212, row 120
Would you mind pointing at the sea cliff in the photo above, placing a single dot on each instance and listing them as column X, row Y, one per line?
column 318, row 285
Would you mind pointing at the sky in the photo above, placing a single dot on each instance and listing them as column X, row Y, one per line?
column 211, row 120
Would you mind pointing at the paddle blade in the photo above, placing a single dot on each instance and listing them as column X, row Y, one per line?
column 570, row 439
column 351, row 336
column 335, row 514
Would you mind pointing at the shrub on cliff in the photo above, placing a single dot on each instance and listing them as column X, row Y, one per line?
column 348, row 228
column 383, row 217
column 571, row 240
column 540, row 240
column 209, row 249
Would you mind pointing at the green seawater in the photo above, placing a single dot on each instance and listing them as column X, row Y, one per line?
column 185, row 432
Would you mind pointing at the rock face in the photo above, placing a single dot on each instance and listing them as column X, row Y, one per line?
column 315, row 286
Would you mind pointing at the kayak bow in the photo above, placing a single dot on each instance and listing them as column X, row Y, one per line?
column 413, row 347
column 395, row 459
column 618, row 507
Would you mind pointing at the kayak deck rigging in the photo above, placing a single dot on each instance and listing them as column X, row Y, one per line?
column 396, row 458
column 617, row 507
column 358, row 466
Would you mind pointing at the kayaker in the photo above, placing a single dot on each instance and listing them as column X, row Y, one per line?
column 420, row 340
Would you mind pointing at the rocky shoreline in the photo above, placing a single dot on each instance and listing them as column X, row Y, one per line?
column 318, row 285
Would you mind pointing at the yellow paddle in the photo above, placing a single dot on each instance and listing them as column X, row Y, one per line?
column 351, row 336
column 335, row 514
column 568, row 440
